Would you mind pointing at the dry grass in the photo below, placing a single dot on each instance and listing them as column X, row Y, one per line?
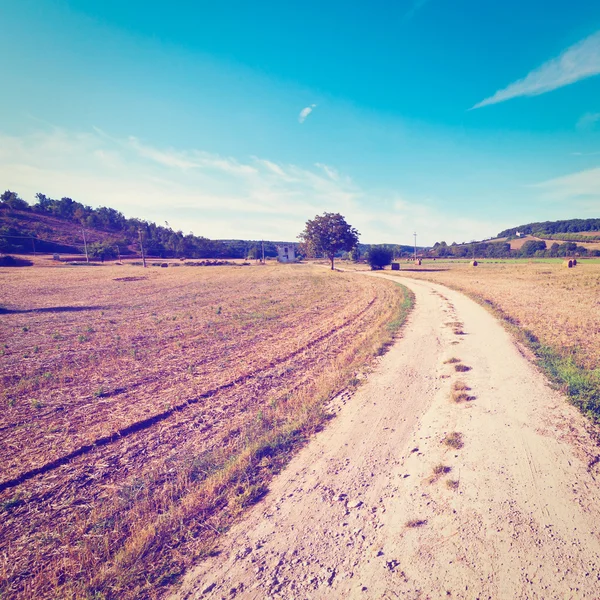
column 143, row 410
column 454, row 440
column 559, row 306
column 552, row 310
column 460, row 386
column 439, row 471
column 459, row 397
column 452, row 361
column 452, row 484
column 414, row 523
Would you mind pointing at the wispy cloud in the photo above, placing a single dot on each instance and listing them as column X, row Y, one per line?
column 212, row 195
column 583, row 185
column 329, row 171
column 416, row 6
column 580, row 61
column 305, row 112
column 588, row 121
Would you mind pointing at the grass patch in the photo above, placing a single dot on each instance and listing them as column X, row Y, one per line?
column 579, row 384
column 439, row 471
column 454, row 440
column 406, row 305
column 460, row 386
column 459, row 397
column 452, row 361
column 452, row 484
column 461, row 368
column 414, row 523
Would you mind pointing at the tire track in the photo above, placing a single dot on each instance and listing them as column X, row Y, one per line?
column 149, row 422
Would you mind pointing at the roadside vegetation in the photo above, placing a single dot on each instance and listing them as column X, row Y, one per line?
column 145, row 410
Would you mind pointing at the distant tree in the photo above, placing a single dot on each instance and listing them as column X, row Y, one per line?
column 379, row 256
column 43, row 203
column 530, row 247
column 355, row 253
column 12, row 200
column 102, row 250
column 328, row 234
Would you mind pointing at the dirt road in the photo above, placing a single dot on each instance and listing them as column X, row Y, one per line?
column 361, row 513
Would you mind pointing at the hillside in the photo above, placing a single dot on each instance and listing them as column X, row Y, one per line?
column 58, row 226
column 575, row 237
column 571, row 226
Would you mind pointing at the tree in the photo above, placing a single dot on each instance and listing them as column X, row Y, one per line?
column 328, row 234
column 102, row 250
column 379, row 256
column 530, row 247
column 12, row 200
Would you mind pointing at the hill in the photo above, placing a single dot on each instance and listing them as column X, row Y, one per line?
column 551, row 228
column 58, row 226
column 574, row 237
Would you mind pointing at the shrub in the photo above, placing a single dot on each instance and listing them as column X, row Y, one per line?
column 379, row 256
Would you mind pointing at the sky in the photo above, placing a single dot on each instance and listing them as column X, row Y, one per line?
column 453, row 119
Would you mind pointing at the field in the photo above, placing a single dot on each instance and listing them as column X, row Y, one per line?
column 144, row 409
column 555, row 309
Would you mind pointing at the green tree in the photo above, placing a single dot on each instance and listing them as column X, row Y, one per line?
column 530, row 247
column 379, row 256
column 102, row 250
column 328, row 234
column 355, row 254
column 12, row 200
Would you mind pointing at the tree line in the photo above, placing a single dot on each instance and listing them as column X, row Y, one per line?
column 158, row 240
column 531, row 248
column 553, row 227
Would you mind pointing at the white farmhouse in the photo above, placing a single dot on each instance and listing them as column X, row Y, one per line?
column 286, row 253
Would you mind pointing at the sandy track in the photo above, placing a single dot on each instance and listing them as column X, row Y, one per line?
column 524, row 521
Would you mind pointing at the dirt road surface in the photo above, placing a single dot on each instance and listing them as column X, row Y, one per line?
column 361, row 513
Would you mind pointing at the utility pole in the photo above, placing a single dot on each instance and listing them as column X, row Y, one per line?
column 87, row 258
column 33, row 244
column 142, row 248
column 415, row 234
column 263, row 251
column 118, row 252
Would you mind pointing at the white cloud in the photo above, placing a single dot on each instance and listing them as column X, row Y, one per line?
column 211, row 195
column 580, row 61
column 329, row 171
column 580, row 186
column 588, row 121
column 190, row 160
column 305, row 112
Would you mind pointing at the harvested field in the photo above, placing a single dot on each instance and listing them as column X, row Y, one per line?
column 144, row 409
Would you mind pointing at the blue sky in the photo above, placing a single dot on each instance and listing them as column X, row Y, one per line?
column 454, row 119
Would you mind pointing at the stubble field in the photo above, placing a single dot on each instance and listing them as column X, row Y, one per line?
column 144, row 409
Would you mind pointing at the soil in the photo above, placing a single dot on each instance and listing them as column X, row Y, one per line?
column 362, row 511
